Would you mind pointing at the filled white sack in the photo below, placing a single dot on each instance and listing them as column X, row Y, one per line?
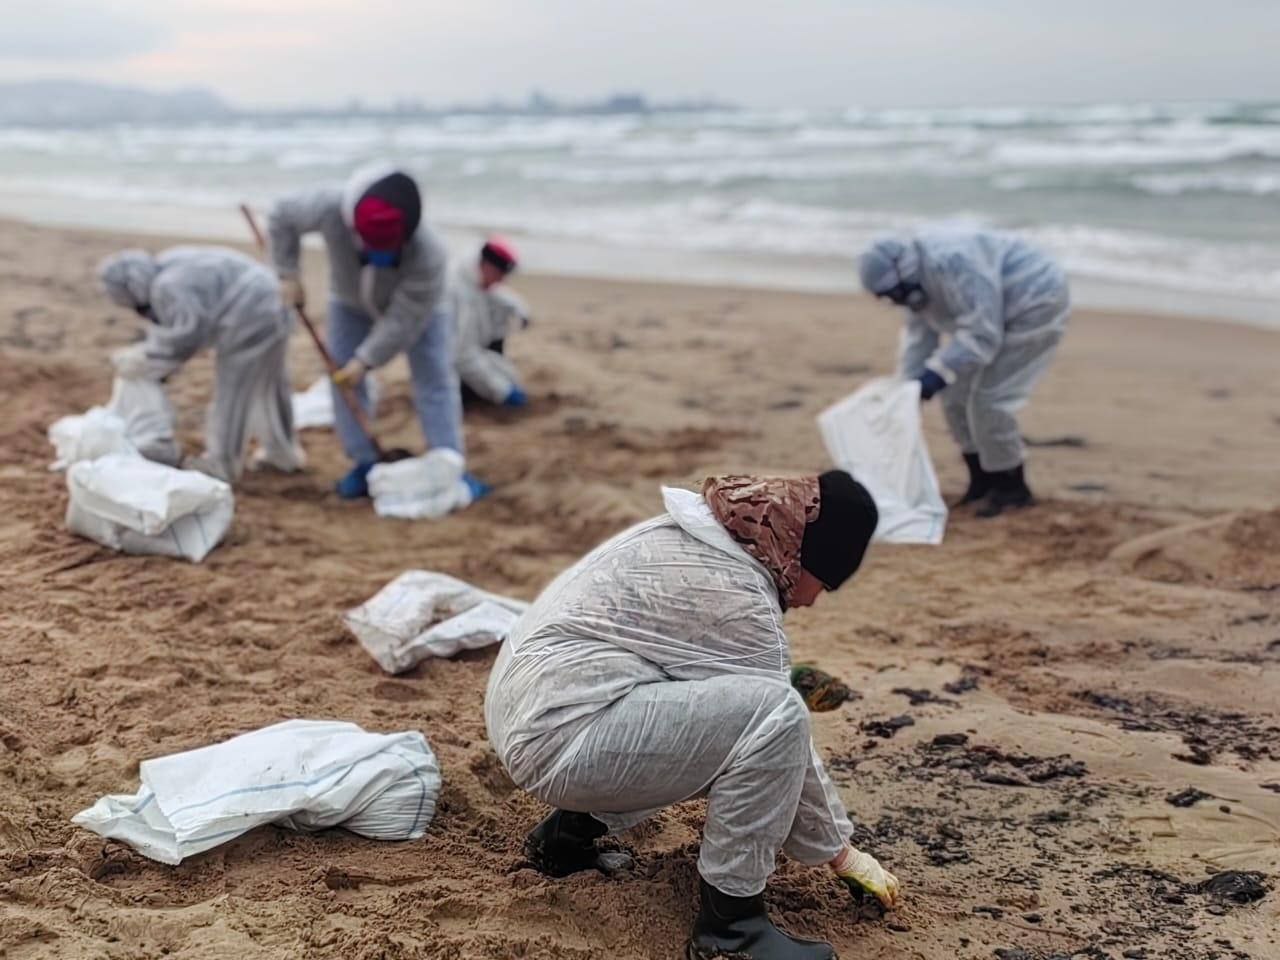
column 300, row 774
column 875, row 434
column 424, row 614
column 134, row 505
column 87, row 436
column 420, row 488
column 149, row 419
column 313, row 407
column 137, row 419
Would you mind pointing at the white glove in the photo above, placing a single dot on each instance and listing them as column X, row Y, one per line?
column 292, row 291
column 131, row 363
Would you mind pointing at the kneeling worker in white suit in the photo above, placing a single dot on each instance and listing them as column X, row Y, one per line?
column 656, row 670
column 485, row 313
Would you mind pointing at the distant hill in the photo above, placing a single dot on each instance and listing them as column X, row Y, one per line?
column 62, row 102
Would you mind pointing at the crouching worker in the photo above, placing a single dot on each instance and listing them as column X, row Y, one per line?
column 387, row 273
column 485, row 313
column 1003, row 306
column 197, row 297
column 656, row 670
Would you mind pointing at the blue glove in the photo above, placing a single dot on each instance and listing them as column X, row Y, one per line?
column 478, row 487
column 930, row 383
column 516, row 398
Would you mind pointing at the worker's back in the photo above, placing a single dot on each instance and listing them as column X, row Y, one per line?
column 654, row 603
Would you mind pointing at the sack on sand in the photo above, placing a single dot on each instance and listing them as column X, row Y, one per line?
column 313, row 407
column 149, row 420
column 300, row 774
column 875, row 434
column 137, row 419
column 87, row 436
column 424, row 614
column 134, row 505
column 420, row 488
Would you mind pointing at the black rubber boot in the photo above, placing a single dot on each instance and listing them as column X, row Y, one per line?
column 979, row 481
column 739, row 928
column 565, row 843
column 1009, row 491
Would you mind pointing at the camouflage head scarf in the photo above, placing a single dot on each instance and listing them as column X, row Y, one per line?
column 767, row 516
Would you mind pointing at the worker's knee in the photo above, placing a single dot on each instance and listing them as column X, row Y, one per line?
column 994, row 406
column 777, row 720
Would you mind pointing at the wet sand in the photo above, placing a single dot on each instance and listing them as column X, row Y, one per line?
column 1064, row 670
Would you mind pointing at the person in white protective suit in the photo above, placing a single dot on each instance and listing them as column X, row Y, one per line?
column 485, row 313
column 388, row 274
column 656, row 670
column 1003, row 307
column 199, row 297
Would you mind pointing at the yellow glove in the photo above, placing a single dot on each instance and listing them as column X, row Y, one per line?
column 351, row 374
column 863, row 874
column 292, row 292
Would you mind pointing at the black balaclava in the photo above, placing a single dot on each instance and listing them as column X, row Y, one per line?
column 835, row 542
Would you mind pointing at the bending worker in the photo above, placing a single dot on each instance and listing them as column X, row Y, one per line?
column 387, row 275
column 1003, row 307
column 656, row 670
column 196, row 297
column 485, row 313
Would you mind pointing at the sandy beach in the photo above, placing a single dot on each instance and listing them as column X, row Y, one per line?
column 1031, row 692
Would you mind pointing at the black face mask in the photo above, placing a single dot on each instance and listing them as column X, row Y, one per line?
column 144, row 310
column 910, row 295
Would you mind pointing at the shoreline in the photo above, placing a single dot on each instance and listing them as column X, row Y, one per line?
column 554, row 258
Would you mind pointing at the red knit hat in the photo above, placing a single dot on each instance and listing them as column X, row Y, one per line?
column 379, row 225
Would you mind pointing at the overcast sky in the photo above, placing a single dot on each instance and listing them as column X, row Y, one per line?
column 769, row 53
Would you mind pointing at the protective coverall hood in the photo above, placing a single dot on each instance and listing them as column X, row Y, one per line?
column 690, row 512
column 382, row 205
column 127, row 277
column 889, row 263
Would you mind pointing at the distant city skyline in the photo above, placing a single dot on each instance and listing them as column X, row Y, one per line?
column 757, row 53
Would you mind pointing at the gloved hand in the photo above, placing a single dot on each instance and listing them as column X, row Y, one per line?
column 351, row 374
column 862, row 874
column 821, row 691
column 516, row 398
column 930, row 383
column 476, row 486
column 131, row 363
column 292, row 292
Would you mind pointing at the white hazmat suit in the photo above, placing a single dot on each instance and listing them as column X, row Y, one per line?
column 199, row 297
column 656, row 670
column 481, row 319
column 1003, row 306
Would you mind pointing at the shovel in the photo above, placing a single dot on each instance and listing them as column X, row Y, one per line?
column 347, row 393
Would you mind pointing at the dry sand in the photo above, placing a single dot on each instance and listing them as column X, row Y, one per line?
column 1112, row 647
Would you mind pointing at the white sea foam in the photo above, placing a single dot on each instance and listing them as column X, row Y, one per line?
column 1174, row 184
column 1185, row 196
